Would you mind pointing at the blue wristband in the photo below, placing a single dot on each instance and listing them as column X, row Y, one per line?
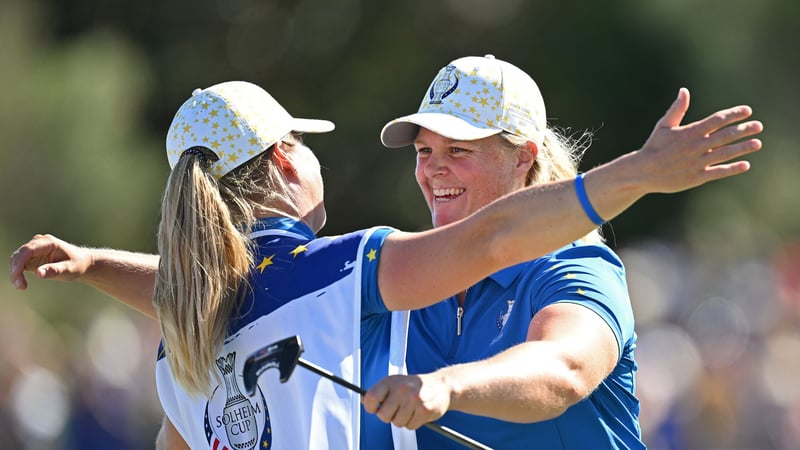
column 580, row 189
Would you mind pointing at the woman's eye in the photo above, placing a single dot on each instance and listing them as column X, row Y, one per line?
column 424, row 150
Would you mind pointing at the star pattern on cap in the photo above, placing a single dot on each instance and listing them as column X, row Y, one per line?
column 493, row 94
column 235, row 120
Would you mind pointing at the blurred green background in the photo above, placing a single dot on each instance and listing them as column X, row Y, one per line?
column 89, row 89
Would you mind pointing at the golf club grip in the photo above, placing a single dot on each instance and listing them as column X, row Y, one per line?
column 456, row 436
column 450, row 433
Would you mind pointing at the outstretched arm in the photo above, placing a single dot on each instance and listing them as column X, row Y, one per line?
column 128, row 276
column 419, row 269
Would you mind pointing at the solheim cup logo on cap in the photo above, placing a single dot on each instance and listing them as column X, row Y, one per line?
column 231, row 420
column 444, row 85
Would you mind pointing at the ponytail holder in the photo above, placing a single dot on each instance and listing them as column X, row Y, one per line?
column 580, row 189
column 199, row 153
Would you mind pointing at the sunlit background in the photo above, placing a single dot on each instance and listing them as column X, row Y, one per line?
column 88, row 89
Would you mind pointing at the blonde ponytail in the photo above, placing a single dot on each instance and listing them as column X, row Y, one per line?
column 204, row 260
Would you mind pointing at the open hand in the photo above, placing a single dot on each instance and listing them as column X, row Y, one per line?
column 678, row 157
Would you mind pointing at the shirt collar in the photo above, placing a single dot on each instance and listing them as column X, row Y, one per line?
column 285, row 224
column 507, row 276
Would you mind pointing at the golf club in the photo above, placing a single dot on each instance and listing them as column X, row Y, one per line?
column 285, row 356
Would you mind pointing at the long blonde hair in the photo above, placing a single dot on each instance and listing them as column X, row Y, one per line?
column 557, row 159
column 206, row 255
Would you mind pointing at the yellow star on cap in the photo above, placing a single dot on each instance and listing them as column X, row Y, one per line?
column 372, row 255
column 580, row 292
column 569, row 276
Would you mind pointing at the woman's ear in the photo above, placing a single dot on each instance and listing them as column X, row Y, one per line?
column 283, row 159
column 527, row 155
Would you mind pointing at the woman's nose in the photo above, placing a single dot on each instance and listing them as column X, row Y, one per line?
column 434, row 165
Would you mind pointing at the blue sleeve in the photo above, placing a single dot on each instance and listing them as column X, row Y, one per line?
column 592, row 276
column 371, row 300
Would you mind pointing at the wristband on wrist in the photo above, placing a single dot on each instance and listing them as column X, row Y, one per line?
column 580, row 189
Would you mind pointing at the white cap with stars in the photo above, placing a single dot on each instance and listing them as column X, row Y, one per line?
column 474, row 98
column 237, row 121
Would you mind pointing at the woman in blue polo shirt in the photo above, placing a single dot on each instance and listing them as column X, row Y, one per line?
column 540, row 354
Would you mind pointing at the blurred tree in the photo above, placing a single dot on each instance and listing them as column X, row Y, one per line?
column 75, row 159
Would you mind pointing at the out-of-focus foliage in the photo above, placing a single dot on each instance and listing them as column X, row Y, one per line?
column 87, row 90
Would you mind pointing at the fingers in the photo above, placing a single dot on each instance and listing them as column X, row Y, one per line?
column 733, row 151
column 397, row 411
column 397, row 399
column 36, row 255
column 721, row 119
column 721, row 171
column 374, row 396
column 380, row 401
column 53, row 270
column 716, row 170
column 676, row 112
column 734, row 133
column 18, row 261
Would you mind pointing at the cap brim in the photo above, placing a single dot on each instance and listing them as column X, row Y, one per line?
column 312, row 125
column 401, row 132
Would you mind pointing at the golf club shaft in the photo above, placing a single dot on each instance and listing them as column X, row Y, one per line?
column 445, row 431
column 329, row 375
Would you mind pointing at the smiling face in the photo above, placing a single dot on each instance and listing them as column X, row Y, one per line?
column 459, row 177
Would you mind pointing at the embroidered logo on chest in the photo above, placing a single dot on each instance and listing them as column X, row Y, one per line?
column 502, row 318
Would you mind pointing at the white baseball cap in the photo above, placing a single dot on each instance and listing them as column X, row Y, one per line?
column 474, row 98
column 237, row 121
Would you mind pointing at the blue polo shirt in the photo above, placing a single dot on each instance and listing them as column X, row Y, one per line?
column 496, row 315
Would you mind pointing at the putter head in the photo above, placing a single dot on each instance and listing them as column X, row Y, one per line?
column 283, row 354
